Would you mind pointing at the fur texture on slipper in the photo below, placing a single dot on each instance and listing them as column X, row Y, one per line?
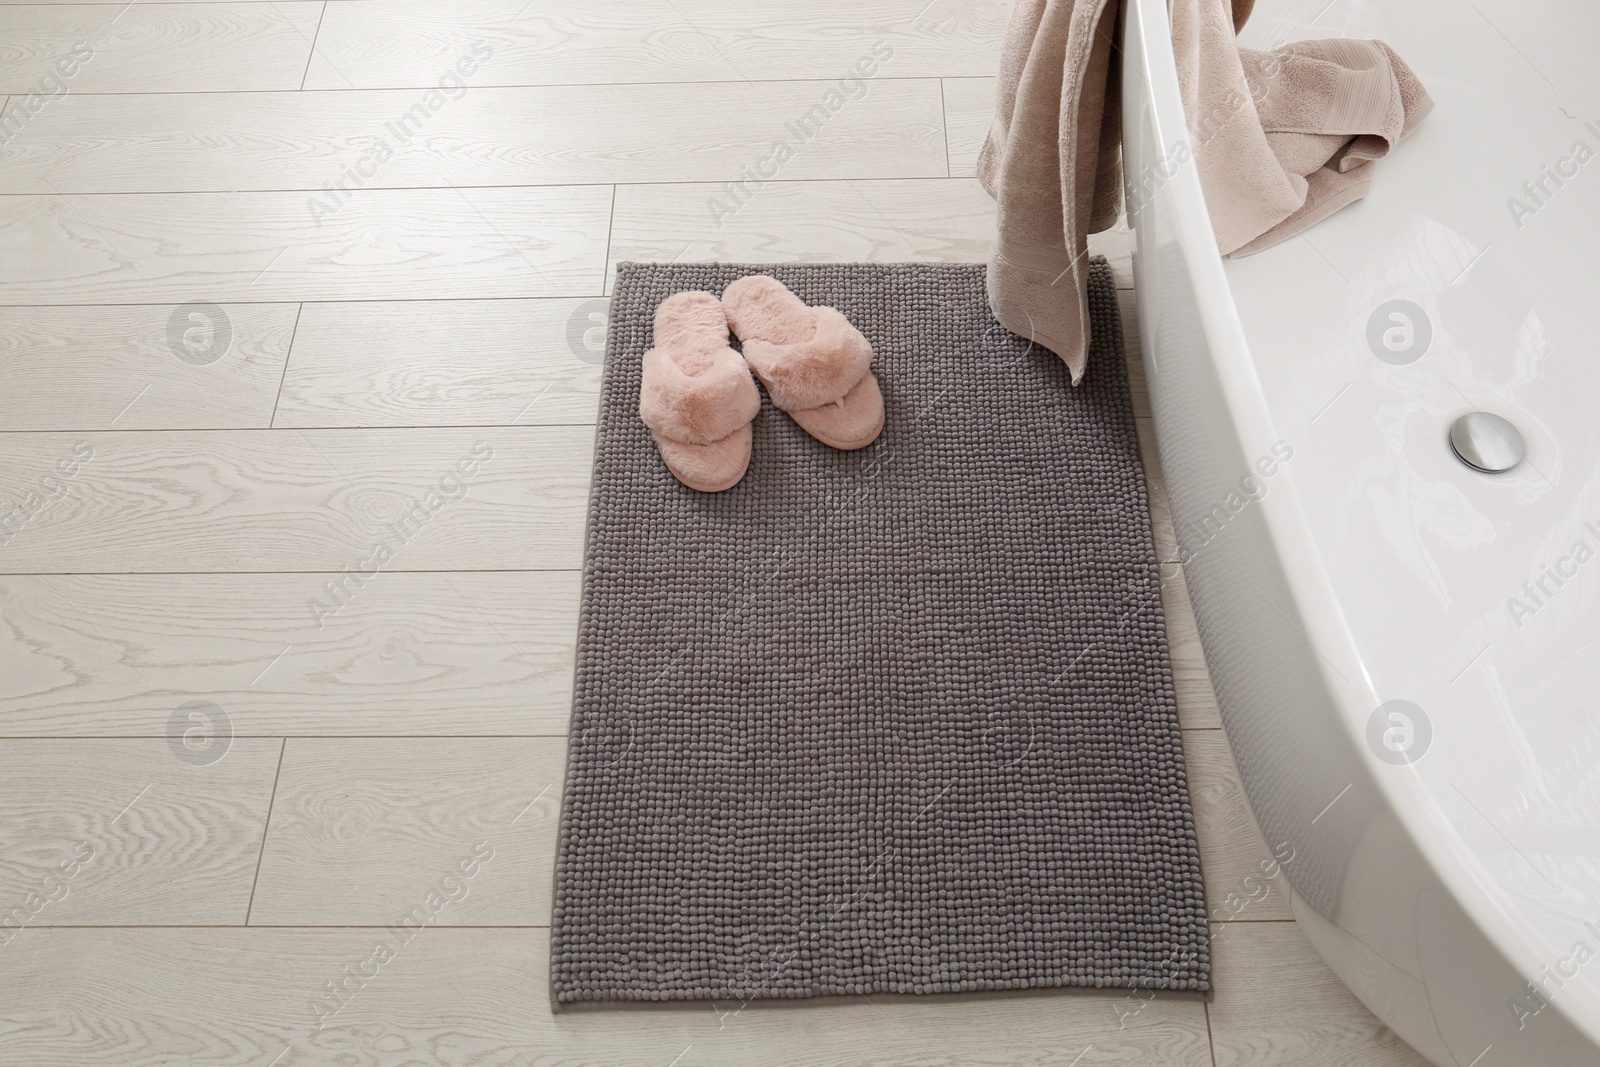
column 696, row 394
column 813, row 362
column 816, row 371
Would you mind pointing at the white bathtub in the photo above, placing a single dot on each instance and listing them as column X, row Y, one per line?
column 1454, row 886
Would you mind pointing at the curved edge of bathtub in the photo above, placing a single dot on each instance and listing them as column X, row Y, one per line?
column 1380, row 882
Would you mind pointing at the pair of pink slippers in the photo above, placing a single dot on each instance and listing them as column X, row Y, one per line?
column 698, row 397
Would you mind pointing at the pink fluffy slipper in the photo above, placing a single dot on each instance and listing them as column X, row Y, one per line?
column 815, row 365
column 697, row 396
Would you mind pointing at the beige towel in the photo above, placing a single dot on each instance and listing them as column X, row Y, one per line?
column 1282, row 139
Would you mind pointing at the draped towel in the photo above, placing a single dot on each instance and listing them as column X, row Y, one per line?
column 1281, row 139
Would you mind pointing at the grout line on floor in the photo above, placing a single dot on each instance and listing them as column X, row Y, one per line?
column 266, row 826
column 290, row 737
column 407, row 299
column 492, row 185
column 294, row 332
column 312, row 54
column 383, row 926
column 426, row 299
column 944, row 113
column 1236, row 922
column 611, row 232
column 432, row 299
column 345, row 300
column 313, row 570
column 280, row 429
column 279, row 926
column 246, row 736
column 507, row 85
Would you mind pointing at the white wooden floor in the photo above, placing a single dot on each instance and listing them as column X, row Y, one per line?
column 268, row 290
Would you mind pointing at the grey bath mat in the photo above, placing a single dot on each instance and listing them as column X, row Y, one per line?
column 896, row 720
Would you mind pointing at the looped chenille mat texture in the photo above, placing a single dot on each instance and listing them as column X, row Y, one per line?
column 894, row 720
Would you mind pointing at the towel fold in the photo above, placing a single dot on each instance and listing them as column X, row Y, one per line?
column 1281, row 139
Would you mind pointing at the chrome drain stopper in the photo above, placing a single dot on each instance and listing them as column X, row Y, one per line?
column 1487, row 442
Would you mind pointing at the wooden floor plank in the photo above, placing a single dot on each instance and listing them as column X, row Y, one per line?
column 362, row 829
column 934, row 220
column 479, row 136
column 374, row 245
column 1132, row 339
column 130, row 831
column 151, row 366
column 144, row 998
column 259, row 500
column 446, row 363
column 1116, row 244
column 1197, row 702
column 1277, row 1003
column 154, row 47
column 1161, row 523
column 1244, row 881
column 400, row 653
column 407, row 43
